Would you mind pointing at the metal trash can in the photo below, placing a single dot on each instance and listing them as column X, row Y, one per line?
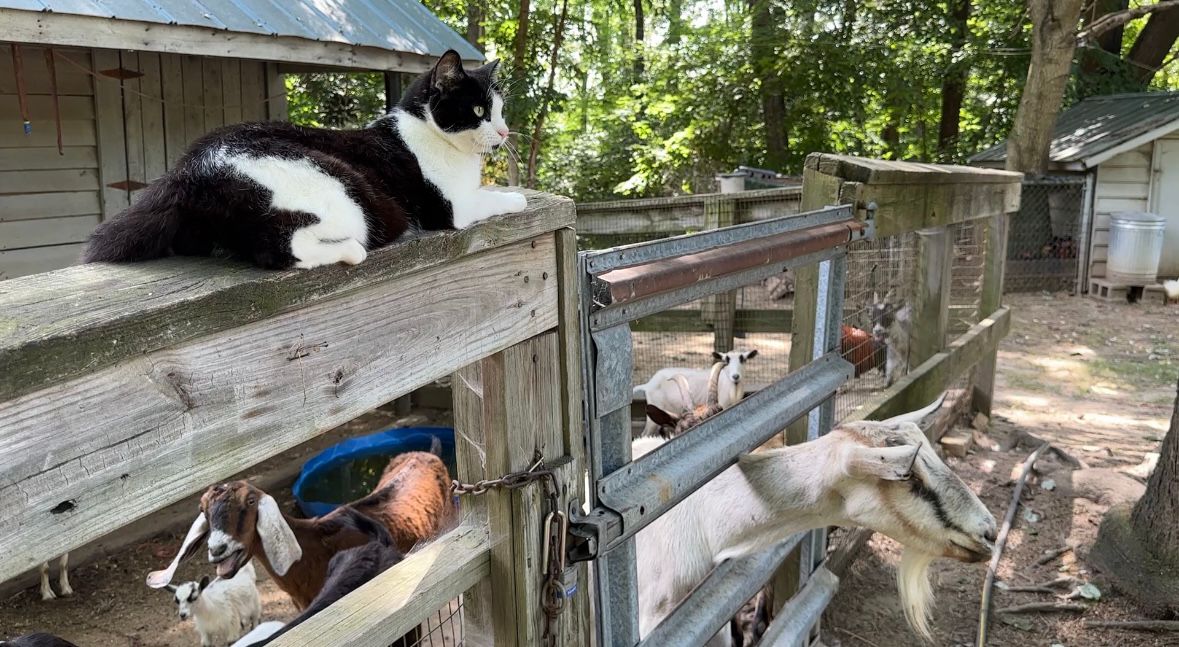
column 1135, row 247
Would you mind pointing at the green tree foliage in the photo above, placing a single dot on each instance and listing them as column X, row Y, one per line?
column 664, row 114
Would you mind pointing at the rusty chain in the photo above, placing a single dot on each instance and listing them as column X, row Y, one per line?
column 556, row 525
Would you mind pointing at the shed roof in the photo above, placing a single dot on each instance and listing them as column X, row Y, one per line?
column 1098, row 128
column 368, row 34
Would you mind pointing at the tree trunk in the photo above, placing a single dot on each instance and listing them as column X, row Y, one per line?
column 475, row 12
column 1054, row 26
column 1138, row 548
column 538, row 127
column 675, row 21
column 1153, row 44
column 954, row 82
column 640, row 37
column 773, row 99
column 519, row 72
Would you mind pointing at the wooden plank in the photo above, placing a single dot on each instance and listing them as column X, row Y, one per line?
column 194, row 97
column 1138, row 174
column 396, row 601
column 72, row 107
column 213, row 102
column 925, row 382
column 253, row 74
column 23, row 262
column 49, row 205
column 935, row 259
column 155, row 155
column 172, row 88
column 163, row 425
column 480, row 418
column 71, row 66
column 685, row 320
column 18, row 234
column 881, row 172
column 1113, row 205
column 990, row 298
column 48, row 181
column 74, row 132
column 99, row 31
column 577, row 620
column 641, row 221
column 231, row 89
column 55, row 330
column 111, row 136
column 720, row 310
column 133, row 122
column 276, row 90
column 46, row 158
column 1123, row 190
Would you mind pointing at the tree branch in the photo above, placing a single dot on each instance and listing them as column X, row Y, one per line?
column 1115, row 20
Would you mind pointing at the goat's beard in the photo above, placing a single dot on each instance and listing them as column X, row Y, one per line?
column 915, row 592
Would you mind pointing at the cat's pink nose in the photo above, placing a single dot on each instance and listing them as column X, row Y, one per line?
column 502, row 132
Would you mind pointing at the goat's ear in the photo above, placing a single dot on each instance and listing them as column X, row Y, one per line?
column 204, row 583
column 750, row 355
column 659, row 416
column 192, row 541
column 717, row 356
column 887, row 463
column 278, row 540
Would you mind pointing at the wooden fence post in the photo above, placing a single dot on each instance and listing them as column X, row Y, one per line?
column 507, row 407
column 720, row 310
column 931, row 301
column 989, row 301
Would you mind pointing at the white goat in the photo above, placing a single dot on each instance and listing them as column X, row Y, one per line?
column 663, row 391
column 223, row 610
column 881, row 475
column 259, row 633
column 63, row 579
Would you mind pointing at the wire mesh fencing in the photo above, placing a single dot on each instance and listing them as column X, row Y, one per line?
column 443, row 628
column 877, row 316
column 1042, row 242
column 966, row 274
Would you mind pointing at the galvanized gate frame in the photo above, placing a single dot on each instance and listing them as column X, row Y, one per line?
column 625, row 283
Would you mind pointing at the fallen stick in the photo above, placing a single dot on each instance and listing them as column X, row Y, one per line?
column 1001, row 541
column 1049, row 586
column 1051, row 555
column 1134, row 625
column 1043, row 607
column 1030, row 589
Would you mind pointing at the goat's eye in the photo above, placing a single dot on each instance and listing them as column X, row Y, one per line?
column 894, row 441
column 251, row 501
column 478, row 111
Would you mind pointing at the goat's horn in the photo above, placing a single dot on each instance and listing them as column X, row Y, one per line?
column 916, row 417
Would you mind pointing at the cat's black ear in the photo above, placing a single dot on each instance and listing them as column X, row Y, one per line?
column 448, row 71
column 489, row 69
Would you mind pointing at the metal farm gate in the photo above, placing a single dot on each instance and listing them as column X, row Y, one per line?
column 625, row 283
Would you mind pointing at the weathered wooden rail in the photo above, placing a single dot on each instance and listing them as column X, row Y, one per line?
column 126, row 388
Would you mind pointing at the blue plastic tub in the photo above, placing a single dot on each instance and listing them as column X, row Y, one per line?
column 351, row 469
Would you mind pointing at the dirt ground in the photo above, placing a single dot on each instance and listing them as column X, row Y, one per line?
column 1096, row 379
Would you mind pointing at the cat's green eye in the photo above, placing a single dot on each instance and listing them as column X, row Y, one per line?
column 478, row 111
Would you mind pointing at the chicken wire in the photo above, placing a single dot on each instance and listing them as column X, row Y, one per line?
column 966, row 275
column 880, row 270
column 443, row 628
column 1042, row 242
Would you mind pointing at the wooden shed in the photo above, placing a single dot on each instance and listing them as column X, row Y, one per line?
column 1126, row 147
column 137, row 80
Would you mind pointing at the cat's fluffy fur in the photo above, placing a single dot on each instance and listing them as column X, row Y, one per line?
column 282, row 195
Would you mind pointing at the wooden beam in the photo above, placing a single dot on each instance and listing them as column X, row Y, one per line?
column 719, row 310
column 994, row 271
column 749, row 321
column 680, row 214
column 93, row 31
column 396, row 601
column 55, row 329
column 935, row 258
column 161, row 425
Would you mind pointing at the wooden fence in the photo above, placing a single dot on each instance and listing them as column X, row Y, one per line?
column 126, row 388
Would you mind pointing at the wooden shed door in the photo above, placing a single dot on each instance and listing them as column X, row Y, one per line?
column 1166, row 203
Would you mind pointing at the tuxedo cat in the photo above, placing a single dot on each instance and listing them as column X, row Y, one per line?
column 282, row 195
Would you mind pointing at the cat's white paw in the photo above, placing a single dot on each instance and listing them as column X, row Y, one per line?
column 353, row 253
column 514, row 202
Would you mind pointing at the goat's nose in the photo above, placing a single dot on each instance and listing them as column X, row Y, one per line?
column 218, row 550
column 990, row 534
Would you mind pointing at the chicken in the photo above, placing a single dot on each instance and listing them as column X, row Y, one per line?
column 1171, row 287
column 858, row 347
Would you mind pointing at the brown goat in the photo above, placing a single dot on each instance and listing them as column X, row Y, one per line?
column 240, row 521
column 671, row 426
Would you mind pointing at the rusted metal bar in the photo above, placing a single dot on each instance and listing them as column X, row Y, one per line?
column 628, row 284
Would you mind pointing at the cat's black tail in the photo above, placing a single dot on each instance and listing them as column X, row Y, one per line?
column 143, row 231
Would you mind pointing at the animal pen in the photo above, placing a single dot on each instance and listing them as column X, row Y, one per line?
column 165, row 377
